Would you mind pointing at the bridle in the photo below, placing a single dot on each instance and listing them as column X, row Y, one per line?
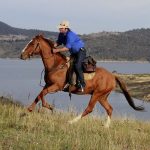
column 38, row 46
column 52, row 55
column 34, row 51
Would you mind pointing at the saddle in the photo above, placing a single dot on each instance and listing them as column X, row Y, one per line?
column 88, row 66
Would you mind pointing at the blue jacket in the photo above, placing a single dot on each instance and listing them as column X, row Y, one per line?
column 71, row 40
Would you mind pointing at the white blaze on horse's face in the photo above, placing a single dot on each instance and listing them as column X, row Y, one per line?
column 28, row 50
column 26, row 46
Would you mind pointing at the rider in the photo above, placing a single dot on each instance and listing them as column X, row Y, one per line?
column 75, row 46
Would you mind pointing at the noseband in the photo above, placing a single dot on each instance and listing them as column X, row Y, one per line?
column 34, row 51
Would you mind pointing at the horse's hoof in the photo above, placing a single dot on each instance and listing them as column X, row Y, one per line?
column 30, row 109
column 51, row 108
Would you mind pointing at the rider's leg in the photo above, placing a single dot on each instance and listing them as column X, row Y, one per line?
column 78, row 66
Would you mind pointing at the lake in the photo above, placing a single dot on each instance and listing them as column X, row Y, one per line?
column 20, row 80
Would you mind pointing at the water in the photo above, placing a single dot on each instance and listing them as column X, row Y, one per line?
column 127, row 67
column 20, row 79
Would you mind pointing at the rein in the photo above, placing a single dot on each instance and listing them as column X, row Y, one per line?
column 53, row 56
column 52, row 70
column 38, row 45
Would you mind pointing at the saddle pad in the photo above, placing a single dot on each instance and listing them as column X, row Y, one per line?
column 87, row 76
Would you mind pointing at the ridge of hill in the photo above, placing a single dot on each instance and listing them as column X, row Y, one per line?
column 130, row 45
column 6, row 29
column 12, row 40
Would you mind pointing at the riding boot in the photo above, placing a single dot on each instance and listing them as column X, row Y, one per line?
column 80, row 86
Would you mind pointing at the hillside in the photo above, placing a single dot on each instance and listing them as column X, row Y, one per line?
column 130, row 45
column 51, row 131
column 12, row 40
column 8, row 30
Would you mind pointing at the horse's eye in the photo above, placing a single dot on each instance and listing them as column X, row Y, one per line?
column 32, row 44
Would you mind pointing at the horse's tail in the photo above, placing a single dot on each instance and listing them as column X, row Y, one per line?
column 127, row 95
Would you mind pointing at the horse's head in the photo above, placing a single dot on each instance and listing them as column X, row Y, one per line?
column 34, row 47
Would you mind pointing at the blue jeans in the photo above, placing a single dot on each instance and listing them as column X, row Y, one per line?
column 79, row 57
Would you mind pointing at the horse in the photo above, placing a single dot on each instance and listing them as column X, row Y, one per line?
column 99, row 87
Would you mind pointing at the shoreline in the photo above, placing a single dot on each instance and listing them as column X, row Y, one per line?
column 121, row 61
column 138, row 85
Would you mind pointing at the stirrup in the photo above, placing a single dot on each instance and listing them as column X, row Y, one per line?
column 66, row 86
column 81, row 89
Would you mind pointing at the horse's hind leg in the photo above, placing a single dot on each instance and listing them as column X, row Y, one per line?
column 89, row 108
column 104, row 102
column 46, row 90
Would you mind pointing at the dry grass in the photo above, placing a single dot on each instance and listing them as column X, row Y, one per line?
column 20, row 130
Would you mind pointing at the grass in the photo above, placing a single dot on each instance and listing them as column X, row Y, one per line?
column 20, row 130
column 138, row 85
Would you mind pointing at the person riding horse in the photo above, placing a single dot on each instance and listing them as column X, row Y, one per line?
column 99, row 87
column 75, row 46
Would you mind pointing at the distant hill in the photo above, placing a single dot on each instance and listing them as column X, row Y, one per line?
column 130, row 45
column 12, row 40
column 8, row 30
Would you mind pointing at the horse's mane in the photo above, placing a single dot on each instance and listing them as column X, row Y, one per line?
column 51, row 44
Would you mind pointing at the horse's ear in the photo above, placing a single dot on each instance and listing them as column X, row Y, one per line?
column 37, row 36
column 41, row 34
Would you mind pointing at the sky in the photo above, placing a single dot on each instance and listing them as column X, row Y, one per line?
column 85, row 16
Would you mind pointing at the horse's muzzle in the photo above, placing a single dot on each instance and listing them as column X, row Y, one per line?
column 23, row 56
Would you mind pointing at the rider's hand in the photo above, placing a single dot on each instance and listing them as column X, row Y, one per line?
column 55, row 50
column 55, row 45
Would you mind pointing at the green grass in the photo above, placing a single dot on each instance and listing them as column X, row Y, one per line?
column 20, row 130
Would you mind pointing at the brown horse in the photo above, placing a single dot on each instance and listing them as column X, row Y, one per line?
column 55, row 78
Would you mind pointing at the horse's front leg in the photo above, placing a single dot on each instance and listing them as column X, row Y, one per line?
column 51, row 89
